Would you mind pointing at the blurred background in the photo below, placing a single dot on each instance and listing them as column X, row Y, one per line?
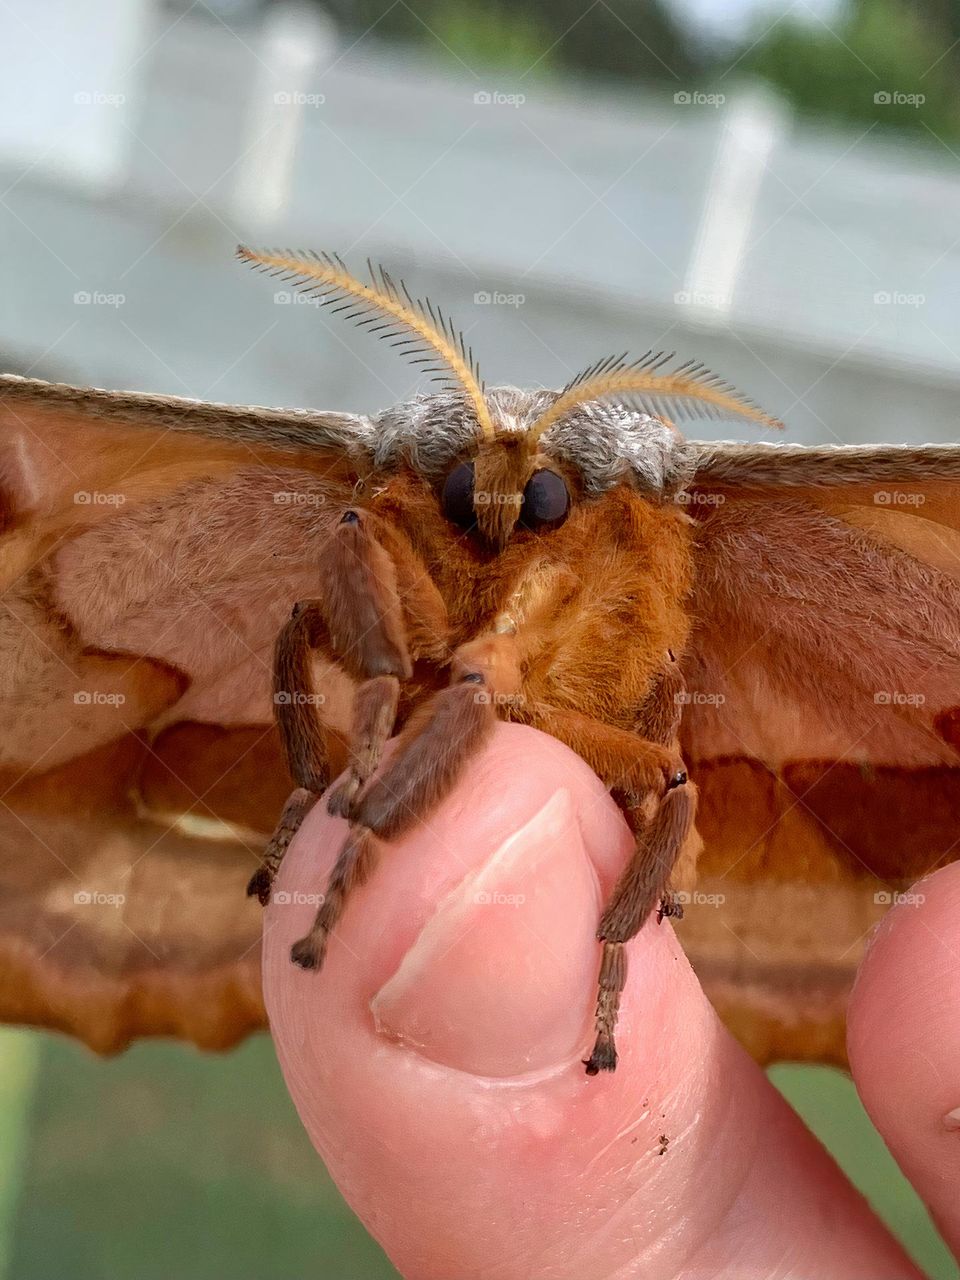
column 770, row 187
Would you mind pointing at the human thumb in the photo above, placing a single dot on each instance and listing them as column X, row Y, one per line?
column 436, row 1060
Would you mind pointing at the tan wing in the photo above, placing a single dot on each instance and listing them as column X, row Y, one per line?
column 824, row 719
column 150, row 550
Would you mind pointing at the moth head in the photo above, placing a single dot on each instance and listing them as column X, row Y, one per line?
column 504, row 486
column 509, row 461
column 549, row 451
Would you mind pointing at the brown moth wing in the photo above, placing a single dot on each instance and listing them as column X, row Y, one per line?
column 150, row 550
column 823, row 724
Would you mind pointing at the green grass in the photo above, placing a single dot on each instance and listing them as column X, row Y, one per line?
column 828, row 1103
column 166, row 1162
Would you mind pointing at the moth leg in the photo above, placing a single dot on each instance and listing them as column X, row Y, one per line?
column 295, row 702
column 642, row 885
column 432, row 750
column 358, row 623
column 355, row 861
column 374, row 716
column 659, row 721
column 647, row 777
column 662, row 710
column 297, row 806
column 635, row 766
column 301, row 734
column 362, row 565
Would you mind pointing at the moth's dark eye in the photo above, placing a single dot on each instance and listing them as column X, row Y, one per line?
column 545, row 501
column 457, row 497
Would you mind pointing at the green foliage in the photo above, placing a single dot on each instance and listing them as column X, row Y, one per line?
column 882, row 63
column 876, row 62
column 634, row 39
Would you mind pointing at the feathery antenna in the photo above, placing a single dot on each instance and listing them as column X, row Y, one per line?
column 421, row 331
column 688, row 391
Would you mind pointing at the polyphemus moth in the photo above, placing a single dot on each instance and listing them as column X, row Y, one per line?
column 211, row 612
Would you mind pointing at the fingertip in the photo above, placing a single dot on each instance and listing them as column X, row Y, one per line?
column 903, row 1039
column 498, row 982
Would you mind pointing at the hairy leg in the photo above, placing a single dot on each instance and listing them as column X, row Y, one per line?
column 431, row 753
column 297, row 806
column 642, row 885
column 636, row 767
column 358, row 624
column 647, row 778
column 301, row 734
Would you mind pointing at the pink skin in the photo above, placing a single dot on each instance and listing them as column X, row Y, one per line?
column 436, row 1060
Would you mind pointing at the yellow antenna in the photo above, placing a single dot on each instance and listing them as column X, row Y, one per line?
column 689, row 391
column 423, row 333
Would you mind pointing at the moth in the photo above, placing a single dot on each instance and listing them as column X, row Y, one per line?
column 214, row 615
